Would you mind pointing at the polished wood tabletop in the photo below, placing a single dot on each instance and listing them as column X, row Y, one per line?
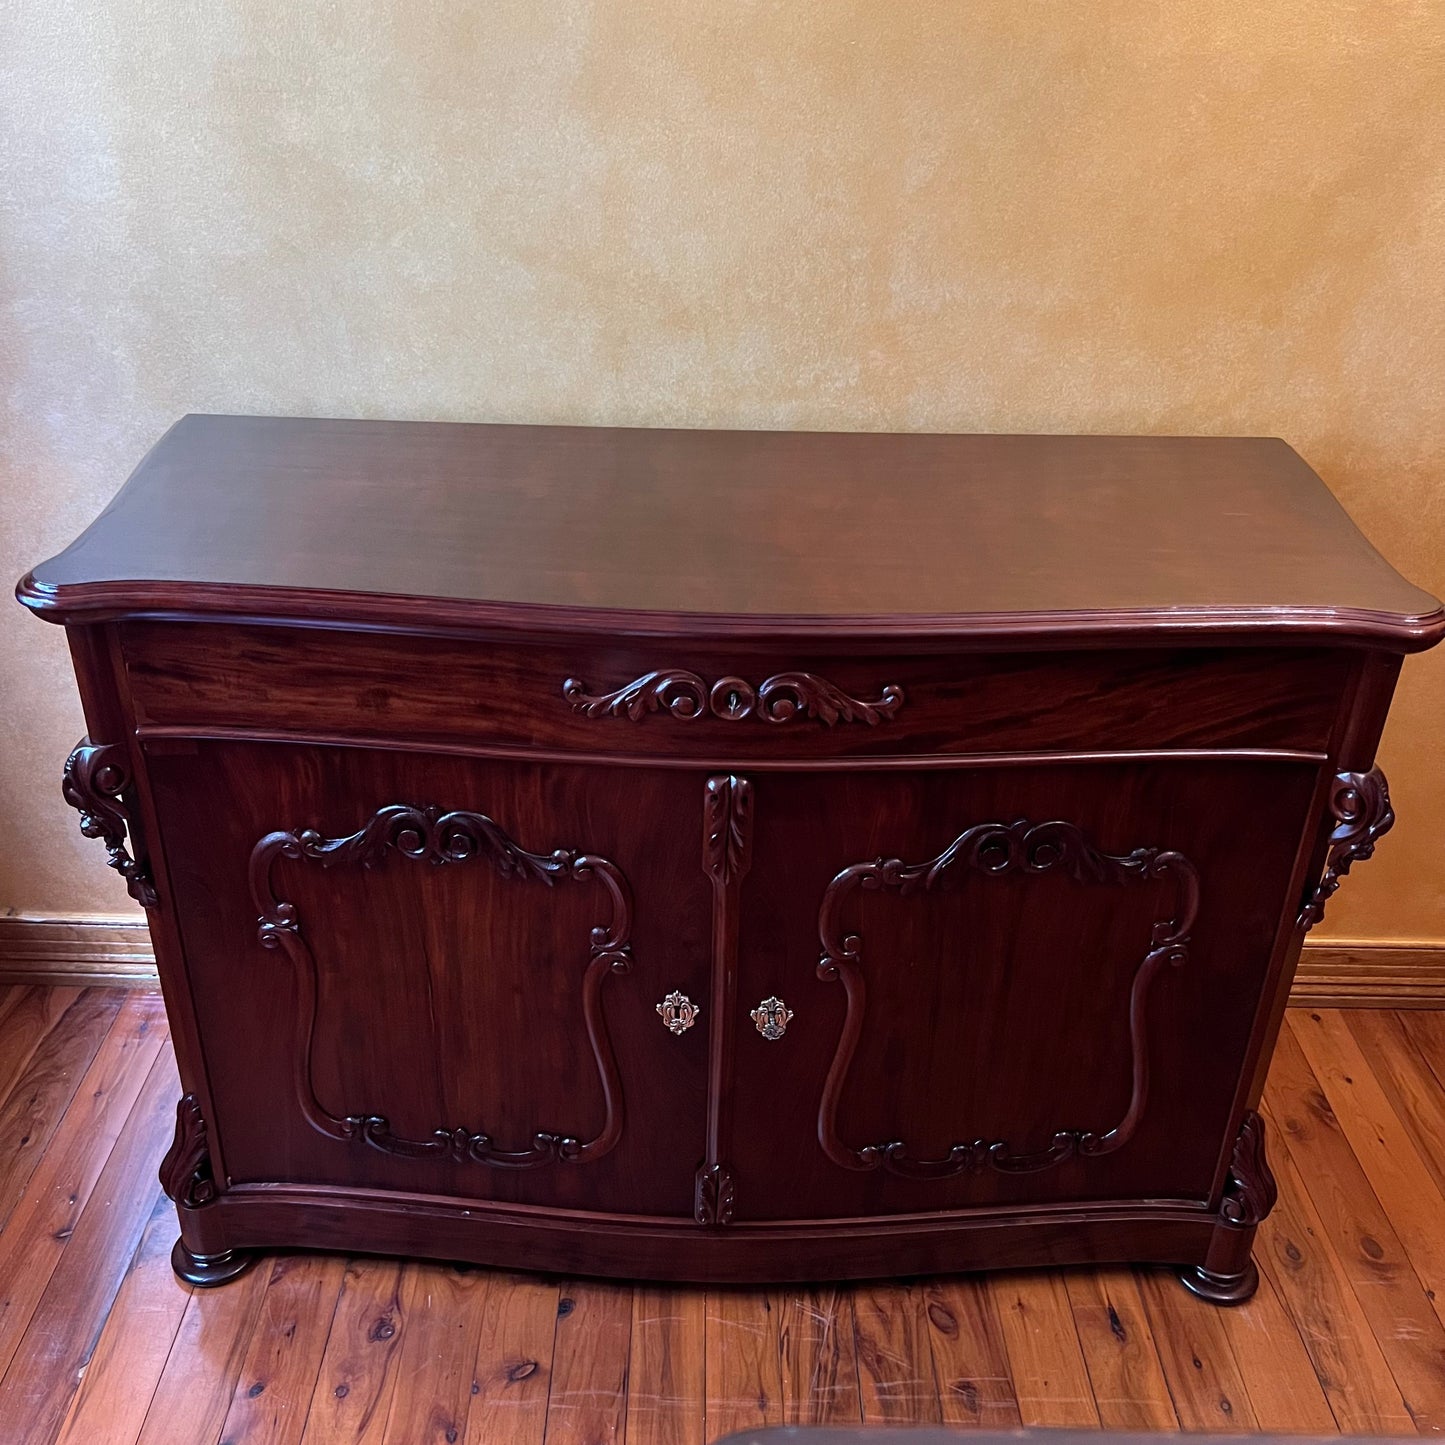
column 808, row 532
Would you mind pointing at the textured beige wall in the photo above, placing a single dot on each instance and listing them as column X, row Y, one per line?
column 983, row 214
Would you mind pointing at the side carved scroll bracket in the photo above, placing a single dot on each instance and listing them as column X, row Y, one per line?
column 94, row 784
column 1250, row 1191
column 186, row 1170
column 1360, row 806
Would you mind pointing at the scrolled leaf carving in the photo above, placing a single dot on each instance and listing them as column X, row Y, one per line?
column 1250, row 1191
column 714, row 1195
column 94, row 782
column 185, row 1172
column 447, row 838
column 1360, row 806
column 683, row 694
column 727, row 827
column 800, row 694
column 782, row 698
column 992, row 849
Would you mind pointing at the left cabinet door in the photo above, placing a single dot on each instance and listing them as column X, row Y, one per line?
column 438, row 975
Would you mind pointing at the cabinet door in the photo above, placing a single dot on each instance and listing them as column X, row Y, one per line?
column 1006, row 985
column 436, row 975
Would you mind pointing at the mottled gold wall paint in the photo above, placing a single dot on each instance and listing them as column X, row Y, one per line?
column 943, row 214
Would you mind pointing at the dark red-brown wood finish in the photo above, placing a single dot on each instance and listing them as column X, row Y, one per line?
column 726, row 856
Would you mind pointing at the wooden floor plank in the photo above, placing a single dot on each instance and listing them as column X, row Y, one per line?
column 43, row 1090
column 1295, row 1250
column 819, row 1356
column 970, row 1361
column 514, row 1362
column 588, row 1400
column 27, row 1015
column 42, row 1221
column 896, row 1381
column 1278, row 1375
column 744, row 1368
column 1051, row 1380
column 1204, row 1377
column 441, row 1308
column 131, row 1352
column 205, row 1361
column 58, row 1342
column 268, row 1405
column 1342, row 1333
column 1427, row 1033
column 1375, row 1263
column 1401, row 1180
column 1130, row 1391
column 1404, row 1054
column 666, row 1392
column 354, row 1386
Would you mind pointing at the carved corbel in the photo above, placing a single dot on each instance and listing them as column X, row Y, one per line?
column 95, row 779
column 1360, row 806
column 186, row 1170
column 1250, row 1190
column 714, row 1195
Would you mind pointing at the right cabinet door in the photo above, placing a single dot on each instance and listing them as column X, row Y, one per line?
column 1017, row 984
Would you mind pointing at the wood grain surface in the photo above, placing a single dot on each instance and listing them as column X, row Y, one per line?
column 272, row 515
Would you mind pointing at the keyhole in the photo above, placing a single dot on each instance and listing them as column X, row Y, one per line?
column 732, row 698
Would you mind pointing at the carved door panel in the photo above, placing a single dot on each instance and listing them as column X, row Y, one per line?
column 1016, row 984
column 441, row 976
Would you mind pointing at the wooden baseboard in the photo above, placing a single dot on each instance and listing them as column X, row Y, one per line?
column 1370, row 975
column 117, row 952
column 91, row 951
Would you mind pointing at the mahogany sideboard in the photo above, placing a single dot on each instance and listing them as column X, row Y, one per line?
column 726, row 856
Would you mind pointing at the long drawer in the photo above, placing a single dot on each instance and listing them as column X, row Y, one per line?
column 691, row 701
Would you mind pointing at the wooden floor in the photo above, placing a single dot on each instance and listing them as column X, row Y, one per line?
column 100, row 1343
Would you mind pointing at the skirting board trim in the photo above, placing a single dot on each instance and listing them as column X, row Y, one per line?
column 100, row 951
column 92, row 951
column 1369, row 975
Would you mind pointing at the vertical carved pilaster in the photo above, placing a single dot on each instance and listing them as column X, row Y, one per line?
column 186, row 1169
column 727, row 854
column 727, row 829
column 1360, row 806
column 95, row 778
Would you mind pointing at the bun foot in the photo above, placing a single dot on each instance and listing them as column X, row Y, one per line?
column 1221, row 1289
column 206, row 1270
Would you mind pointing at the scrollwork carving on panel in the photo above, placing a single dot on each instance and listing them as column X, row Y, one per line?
column 991, row 850
column 448, row 838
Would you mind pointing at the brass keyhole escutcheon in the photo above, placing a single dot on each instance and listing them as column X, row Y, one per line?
column 678, row 1012
column 772, row 1017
